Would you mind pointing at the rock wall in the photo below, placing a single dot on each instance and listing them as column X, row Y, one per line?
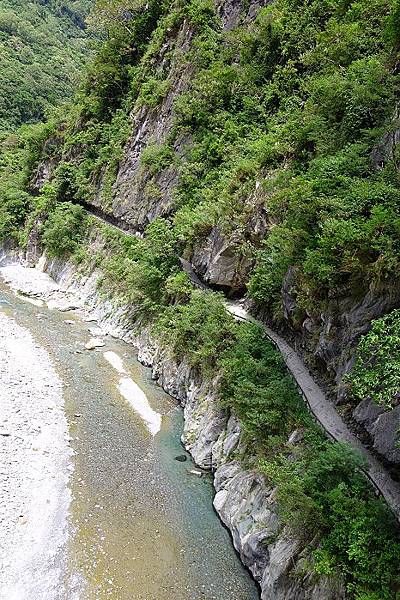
column 139, row 197
column 328, row 342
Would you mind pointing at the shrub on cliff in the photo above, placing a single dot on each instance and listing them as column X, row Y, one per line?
column 323, row 494
column 376, row 373
column 64, row 229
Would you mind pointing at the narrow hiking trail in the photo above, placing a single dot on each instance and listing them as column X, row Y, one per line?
column 325, row 412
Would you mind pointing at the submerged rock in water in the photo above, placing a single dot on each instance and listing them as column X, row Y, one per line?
column 181, row 458
column 94, row 343
column 196, row 472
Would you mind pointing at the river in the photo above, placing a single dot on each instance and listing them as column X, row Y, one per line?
column 141, row 526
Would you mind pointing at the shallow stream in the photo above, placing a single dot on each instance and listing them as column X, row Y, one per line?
column 142, row 526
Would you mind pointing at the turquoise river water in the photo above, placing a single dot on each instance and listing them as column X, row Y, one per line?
column 141, row 526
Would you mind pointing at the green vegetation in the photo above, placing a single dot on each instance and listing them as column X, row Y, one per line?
column 140, row 269
column 376, row 373
column 304, row 104
column 19, row 153
column 285, row 111
column 64, row 230
column 323, row 493
column 43, row 46
column 295, row 102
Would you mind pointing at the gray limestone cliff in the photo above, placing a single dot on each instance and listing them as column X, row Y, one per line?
column 328, row 341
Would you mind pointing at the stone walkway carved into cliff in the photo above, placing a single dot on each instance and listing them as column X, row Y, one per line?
column 319, row 405
column 325, row 412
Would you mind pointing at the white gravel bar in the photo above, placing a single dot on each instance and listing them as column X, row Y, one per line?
column 34, row 469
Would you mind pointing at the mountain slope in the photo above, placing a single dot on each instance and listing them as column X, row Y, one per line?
column 257, row 140
column 43, row 46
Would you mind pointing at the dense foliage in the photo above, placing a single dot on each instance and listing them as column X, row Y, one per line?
column 285, row 112
column 358, row 536
column 141, row 271
column 64, row 230
column 321, row 493
column 43, row 46
column 376, row 373
column 300, row 111
column 18, row 153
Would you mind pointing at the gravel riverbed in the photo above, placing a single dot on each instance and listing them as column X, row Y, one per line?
column 34, row 469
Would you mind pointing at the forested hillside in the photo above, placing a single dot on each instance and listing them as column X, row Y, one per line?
column 259, row 141
column 43, row 47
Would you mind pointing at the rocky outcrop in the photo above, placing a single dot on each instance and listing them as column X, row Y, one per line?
column 278, row 560
column 43, row 174
column 220, row 258
column 328, row 341
column 232, row 12
column 219, row 262
column 34, row 245
column 332, row 334
column 138, row 195
column 46, row 167
column 385, row 149
column 383, row 426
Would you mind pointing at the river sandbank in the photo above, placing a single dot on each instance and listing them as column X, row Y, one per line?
column 34, row 468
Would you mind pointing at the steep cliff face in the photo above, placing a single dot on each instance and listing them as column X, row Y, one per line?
column 163, row 157
column 134, row 200
column 139, row 196
column 329, row 340
column 142, row 193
